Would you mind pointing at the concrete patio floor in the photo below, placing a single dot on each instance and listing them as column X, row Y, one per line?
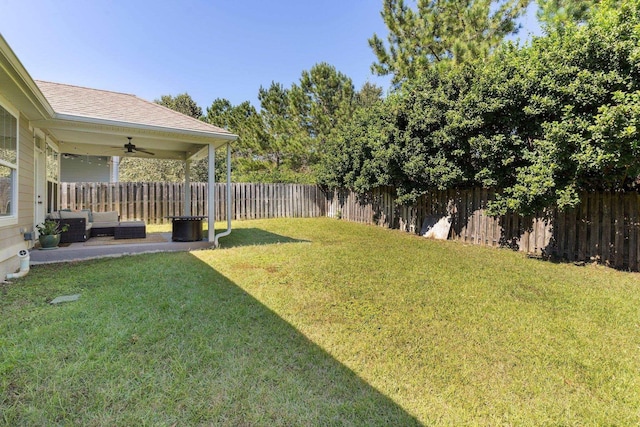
column 79, row 251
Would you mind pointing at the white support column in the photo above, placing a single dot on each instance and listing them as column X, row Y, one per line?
column 115, row 169
column 228, row 202
column 187, row 187
column 212, row 193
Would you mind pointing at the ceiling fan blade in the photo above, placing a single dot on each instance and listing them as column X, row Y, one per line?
column 130, row 148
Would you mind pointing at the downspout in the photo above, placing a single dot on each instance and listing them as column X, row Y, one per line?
column 23, row 254
column 228, row 230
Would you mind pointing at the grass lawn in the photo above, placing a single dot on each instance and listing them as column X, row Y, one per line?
column 321, row 322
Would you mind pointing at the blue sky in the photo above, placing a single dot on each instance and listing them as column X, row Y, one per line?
column 209, row 49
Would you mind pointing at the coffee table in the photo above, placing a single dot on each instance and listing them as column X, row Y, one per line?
column 130, row 230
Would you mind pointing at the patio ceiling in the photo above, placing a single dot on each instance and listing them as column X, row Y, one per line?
column 77, row 137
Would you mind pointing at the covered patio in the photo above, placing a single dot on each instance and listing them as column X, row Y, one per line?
column 92, row 122
column 94, row 248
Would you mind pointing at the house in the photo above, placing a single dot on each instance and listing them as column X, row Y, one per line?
column 40, row 122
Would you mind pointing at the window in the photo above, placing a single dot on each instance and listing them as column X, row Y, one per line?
column 53, row 168
column 8, row 164
column 53, row 164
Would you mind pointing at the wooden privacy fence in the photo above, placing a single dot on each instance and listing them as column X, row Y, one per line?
column 603, row 228
column 152, row 202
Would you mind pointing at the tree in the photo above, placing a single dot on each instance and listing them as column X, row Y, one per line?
column 556, row 13
column 242, row 120
column 539, row 123
column 279, row 127
column 219, row 113
column 264, row 151
column 585, row 100
column 149, row 170
column 368, row 95
column 439, row 32
column 360, row 157
column 182, row 103
column 323, row 99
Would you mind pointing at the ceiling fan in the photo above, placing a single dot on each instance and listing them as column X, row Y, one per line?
column 129, row 148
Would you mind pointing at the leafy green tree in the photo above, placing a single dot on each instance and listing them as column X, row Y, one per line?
column 586, row 103
column 439, row 32
column 539, row 123
column 247, row 122
column 284, row 140
column 361, row 155
column 347, row 161
column 150, row 170
column 427, row 146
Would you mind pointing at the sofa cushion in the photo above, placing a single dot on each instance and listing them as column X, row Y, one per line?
column 111, row 216
column 74, row 214
column 104, row 224
column 88, row 211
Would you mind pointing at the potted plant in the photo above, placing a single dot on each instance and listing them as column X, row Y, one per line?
column 49, row 233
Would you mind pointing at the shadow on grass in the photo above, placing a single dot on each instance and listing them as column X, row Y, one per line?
column 253, row 236
column 165, row 339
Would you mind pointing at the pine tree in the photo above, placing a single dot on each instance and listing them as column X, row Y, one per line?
column 324, row 98
column 441, row 32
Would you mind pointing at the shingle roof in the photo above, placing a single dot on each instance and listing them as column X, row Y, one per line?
column 119, row 107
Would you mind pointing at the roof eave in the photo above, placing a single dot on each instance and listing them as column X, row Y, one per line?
column 70, row 118
column 30, row 94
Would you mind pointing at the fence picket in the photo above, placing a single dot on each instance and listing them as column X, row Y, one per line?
column 594, row 226
column 633, row 231
column 606, row 226
column 619, row 234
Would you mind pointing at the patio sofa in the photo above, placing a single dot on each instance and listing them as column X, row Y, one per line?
column 84, row 224
column 104, row 223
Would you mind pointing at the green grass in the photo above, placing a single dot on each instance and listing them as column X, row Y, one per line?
column 322, row 322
